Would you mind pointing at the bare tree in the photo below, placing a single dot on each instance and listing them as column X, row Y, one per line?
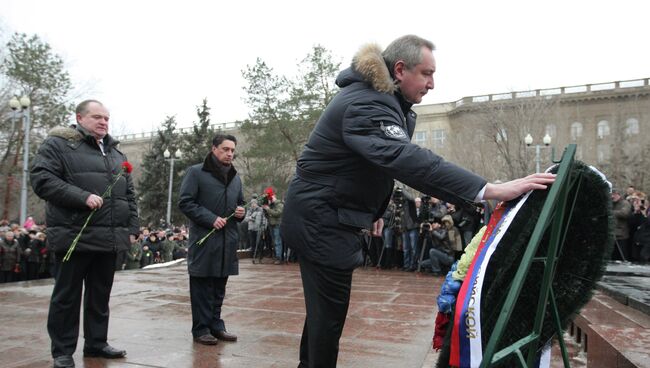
column 491, row 133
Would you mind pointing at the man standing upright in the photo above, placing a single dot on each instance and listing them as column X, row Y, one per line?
column 344, row 179
column 622, row 210
column 273, row 210
column 211, row 193
column 72, row 169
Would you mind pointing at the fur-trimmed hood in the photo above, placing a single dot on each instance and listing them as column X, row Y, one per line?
column 75, row 133
column 368, row 65
column 68, row 133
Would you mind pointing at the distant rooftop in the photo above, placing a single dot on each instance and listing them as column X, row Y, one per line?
column 586, row 88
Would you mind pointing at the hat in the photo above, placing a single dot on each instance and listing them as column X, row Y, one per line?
column 615, row 190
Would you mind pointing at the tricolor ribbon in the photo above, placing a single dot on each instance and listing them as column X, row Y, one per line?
column 466, row 344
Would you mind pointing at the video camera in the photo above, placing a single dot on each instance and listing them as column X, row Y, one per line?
column 398, row 199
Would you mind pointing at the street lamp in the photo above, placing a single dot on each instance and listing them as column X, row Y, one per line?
column 168, row 156
column 23, row 103
column 529, row 140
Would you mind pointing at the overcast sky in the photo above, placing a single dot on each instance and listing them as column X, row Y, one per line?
column 149, row 59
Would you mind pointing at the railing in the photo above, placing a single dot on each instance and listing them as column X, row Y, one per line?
column 608, row 86
column 184, row 130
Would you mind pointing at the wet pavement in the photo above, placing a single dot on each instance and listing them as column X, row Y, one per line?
column 390, row 321
column 629, row 284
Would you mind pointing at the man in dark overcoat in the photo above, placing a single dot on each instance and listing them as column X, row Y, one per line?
column 211, row 197
column 344, row 179
column 74, row 167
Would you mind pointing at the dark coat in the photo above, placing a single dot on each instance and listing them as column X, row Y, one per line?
column 9, row 254
column 344, row 177
column 68, row 168
column 204, row 195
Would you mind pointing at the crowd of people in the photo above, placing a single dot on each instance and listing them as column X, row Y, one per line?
column 424, row 233
column 632, row 225
column 421, row 234
column 26, row 255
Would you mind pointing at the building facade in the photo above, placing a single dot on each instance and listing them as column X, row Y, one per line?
column 609, row 123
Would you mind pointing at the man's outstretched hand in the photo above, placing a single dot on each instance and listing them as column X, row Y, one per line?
column 514, row 188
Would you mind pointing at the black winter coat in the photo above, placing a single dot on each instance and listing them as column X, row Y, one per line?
column 204, row 196
column 344, row 177
column 68, row 168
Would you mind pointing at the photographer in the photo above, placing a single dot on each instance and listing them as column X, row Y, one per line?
column 410, row 226
column 445, row 241
column 466, row 220
column 437, row 209
column 426, row 239
column 386, row 259
column 640, row 230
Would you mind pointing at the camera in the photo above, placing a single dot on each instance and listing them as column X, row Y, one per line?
column 398, row 200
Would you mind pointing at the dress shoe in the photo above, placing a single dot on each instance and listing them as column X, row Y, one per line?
column 63, row 361
column 107, row 352
column 206, row 339
column 225, row 336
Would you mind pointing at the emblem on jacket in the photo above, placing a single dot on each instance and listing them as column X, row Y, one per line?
column 392, row 131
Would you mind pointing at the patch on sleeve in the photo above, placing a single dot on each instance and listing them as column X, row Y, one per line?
column 393, row 131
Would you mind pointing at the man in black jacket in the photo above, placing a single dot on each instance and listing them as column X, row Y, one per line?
column 344, row 179
column 211, row 192
column 73, row 168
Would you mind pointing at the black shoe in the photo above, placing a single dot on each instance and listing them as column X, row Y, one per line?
column 225, row 336
column 107, row 352
column 206, row 339
column 63, row 361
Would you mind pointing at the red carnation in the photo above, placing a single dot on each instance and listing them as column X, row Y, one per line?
column 127, row 167
column 269, row 192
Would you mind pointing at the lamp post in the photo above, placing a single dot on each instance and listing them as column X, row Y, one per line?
column 23, row 103
column 170, row 157
column 529, row 140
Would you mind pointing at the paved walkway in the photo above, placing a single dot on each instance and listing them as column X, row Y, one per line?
column 390, row 321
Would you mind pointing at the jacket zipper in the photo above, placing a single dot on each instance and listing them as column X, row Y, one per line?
column 110, row 181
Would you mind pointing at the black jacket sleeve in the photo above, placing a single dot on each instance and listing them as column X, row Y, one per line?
column 188, row 203
column 374, row 132
column 47, row 175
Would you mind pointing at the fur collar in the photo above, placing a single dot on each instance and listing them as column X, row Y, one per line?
column 67, row 133
column 371, row 65
column 75, row 133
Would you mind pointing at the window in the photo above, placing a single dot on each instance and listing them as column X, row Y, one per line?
column 603, row 129
column 576, row 130
column 438, row 138
column 632, row 126
column 420, row 138
column 579, row 152
column 551, row 130
column 603, row 153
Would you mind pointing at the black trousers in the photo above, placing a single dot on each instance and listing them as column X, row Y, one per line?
column 94, row 272
column 206, row 296
column 327, row 296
